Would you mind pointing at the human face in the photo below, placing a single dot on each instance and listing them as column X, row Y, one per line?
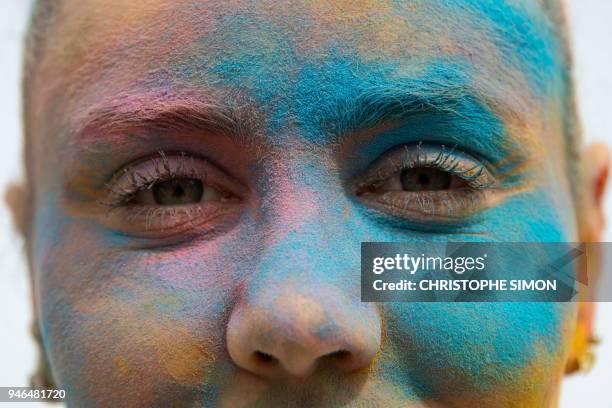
column 206, row 171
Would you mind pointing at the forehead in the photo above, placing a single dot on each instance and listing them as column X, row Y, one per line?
column 289, row 56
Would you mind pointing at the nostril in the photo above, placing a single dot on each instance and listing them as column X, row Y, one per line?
column 338, row 355
column 345, row 360
column 264, row 358
column 339, row 359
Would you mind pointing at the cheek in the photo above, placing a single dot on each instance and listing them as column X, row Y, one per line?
column 488, row 350
column 149, row 323
column 491, row 351
column 120, row 345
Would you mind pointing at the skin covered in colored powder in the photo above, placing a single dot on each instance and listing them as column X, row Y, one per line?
column 252, row 298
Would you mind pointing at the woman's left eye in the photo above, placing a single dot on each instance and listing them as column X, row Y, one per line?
column 427, row 183
column 423, row 179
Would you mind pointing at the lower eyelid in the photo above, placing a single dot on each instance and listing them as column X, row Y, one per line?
column 435, row 205
column 168, row 221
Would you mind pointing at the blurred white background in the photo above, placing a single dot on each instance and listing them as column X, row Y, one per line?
column 592, row 37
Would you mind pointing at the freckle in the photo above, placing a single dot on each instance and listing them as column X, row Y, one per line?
column 346, row 212
column 122, row 366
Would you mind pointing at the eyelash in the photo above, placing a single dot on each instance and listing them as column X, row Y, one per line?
column 423, row 206
column 144, row 174
column 449, row 160
column 129, row 181
column 417, row 206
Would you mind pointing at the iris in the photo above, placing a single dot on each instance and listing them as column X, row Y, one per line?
column 179, row 191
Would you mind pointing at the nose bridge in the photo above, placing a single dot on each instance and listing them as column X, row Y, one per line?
column 308, row 233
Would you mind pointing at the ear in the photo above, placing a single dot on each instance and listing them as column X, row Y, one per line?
column 593, row 180
column 17, row 199
column 595, row 169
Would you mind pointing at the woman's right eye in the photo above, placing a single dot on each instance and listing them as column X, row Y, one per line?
column 180, row 191
column 177, row 191
column 170, row 193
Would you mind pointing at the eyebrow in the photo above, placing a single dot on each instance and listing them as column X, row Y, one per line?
column 162, row 111
column 242, row 119
column 471, row 116
column 392, row 103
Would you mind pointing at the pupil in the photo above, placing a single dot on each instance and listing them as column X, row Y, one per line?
column 178, row 191
column 425, row 179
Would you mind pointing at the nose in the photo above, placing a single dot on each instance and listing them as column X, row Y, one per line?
column 296, row 335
